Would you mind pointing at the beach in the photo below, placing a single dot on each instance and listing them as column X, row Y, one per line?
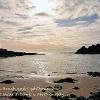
column 49, row 49
column 50, row 77
column 39, row 88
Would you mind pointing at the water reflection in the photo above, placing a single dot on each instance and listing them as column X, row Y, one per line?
column 52, row 64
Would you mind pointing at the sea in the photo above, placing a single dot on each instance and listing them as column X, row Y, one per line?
column 49, row 64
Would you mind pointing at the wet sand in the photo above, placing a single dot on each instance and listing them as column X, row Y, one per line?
column 38, row 88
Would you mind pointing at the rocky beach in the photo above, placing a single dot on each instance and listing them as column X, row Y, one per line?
column 84, row 87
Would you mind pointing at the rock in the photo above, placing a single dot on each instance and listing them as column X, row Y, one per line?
column 94, row 96
column 7, row 82
column 82, row 50
column 20, row 96
column 6, row 53
column 70, row 80
column 73, row 96
column 53, row 92
column 53, row 88
column 81, row 98
column 49, row 75
column 94, row 74
column 94, row 49
column 60, row 97
column 43, row 90
column 76, row 88
column 57, row 87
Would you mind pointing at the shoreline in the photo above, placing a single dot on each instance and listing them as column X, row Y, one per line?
column 83, row 86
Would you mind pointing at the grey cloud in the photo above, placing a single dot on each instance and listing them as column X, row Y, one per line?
column 41, row 14
column 25, row 32
column 24, row 16
column 8, row 21
column 12, row 23
column 83, row 20
column 28, row 28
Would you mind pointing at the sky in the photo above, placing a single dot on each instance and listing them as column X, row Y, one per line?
column 30, row 25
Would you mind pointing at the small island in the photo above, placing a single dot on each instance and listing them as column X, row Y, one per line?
column 6, row 53
column 94, row 49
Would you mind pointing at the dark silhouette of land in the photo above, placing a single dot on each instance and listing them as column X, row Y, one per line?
column 6, row 53
column 94, row 49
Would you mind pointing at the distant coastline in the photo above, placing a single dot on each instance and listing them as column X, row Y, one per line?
column 94, row 49
column 6, row 53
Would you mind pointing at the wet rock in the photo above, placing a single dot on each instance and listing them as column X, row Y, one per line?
column 91, row 93
column 7, row 82
column 94, row 96
column 49, row 75
column 57, row 87
column 53, row 92
column 43, row 90
column 50, row 87
column 76, row 88
column 53, row 88
column 94, row 74
column 81, row 98
column 69, row 80
column 20, row 95
column 60, row 97
column 73, row 96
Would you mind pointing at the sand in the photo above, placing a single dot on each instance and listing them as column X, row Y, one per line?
column 33, row 87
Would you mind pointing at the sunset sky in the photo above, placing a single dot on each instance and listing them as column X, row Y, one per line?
column 48, row 24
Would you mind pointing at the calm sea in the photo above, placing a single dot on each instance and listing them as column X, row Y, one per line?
column 50, row 64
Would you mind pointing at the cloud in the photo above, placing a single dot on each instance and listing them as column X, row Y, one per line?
column 8, row 21
column 24, row 16
column 83, row 20
column 24, row 29
column 28, row 36
column 25, row 32
column 20, row 21
column 24, row 4
column 16, row 4
column 4, row 4
column 30, row 7
column 11, row 23
column 76, row 8
column 5, row 35
column 41, row 14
